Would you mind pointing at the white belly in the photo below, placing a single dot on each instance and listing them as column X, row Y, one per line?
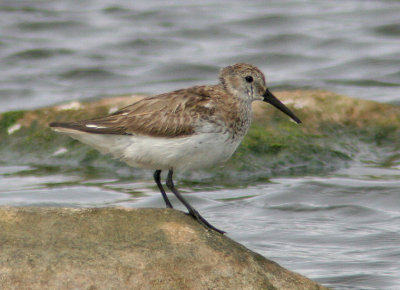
column 184, row 153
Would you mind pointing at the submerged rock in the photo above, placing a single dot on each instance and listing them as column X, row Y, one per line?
column 115, row 248
column 336, row 130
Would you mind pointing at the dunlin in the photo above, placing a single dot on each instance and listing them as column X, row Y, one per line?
column 187, row 129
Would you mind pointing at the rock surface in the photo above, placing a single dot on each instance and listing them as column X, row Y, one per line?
column 115, row 248
column 336, row 130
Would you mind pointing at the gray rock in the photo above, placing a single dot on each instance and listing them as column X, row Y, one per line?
column 119, row 248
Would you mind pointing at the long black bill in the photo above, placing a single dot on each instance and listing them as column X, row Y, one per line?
column 270, row 98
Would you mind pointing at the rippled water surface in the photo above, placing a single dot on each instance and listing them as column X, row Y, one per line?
column 342, row 230
column 54, row 51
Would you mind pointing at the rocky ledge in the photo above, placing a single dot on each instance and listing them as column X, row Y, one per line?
column 116, row 248
column 336, row 131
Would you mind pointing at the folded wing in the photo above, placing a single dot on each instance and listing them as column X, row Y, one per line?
column 167, row 115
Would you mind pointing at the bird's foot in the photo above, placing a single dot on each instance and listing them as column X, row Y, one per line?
column 195, row 214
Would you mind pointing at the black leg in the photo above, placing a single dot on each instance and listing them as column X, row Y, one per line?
column 194, row 213
column 160, row 187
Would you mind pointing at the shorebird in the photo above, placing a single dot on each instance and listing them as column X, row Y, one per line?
column 187, row 129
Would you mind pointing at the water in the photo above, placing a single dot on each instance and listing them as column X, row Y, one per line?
column 342, row 229
column 56, row 51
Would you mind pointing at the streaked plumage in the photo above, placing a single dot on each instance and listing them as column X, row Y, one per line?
column 176, row 114
column 185, row 129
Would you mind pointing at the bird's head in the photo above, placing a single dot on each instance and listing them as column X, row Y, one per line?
column 248, row 83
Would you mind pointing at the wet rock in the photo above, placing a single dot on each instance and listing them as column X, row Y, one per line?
column 336, row 131
column 115, row 248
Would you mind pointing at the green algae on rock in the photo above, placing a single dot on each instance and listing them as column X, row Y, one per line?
column 9, row 119
column 336, row 130
column 117, row 248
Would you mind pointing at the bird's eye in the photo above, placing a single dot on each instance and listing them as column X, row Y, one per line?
column 249, row 79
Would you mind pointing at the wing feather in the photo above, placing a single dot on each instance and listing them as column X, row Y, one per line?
column 174, row 114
